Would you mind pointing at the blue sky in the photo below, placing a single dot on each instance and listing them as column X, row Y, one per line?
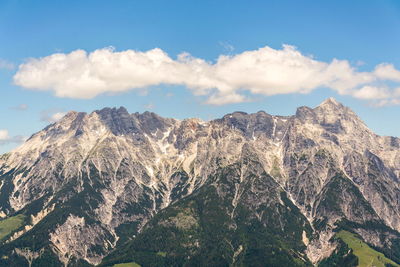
column 362, row 33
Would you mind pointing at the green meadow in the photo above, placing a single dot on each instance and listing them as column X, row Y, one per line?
column 130, row 264
column 8, row 225
column 367, row 256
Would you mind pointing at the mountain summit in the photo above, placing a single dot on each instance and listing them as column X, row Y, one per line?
column 111, row 187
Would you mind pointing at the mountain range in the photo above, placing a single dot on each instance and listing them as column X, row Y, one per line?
column 318, row 188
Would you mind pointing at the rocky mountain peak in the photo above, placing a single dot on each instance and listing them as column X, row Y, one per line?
column 107, row 111
column 331, row 106
column 118, row 120
column 331, row 101
column 92, row 178
column 333, row 116
column 305, row 114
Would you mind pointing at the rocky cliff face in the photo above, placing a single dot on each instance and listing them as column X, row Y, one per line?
column 105, row 182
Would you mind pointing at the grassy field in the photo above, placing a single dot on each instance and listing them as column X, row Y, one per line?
column 162, row 254
column 366, row 255
column 10, row 224
column 130, row 264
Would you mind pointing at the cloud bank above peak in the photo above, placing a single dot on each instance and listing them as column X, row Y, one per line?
column 230, row 79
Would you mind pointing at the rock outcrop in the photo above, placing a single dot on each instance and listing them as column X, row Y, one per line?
column 102, row 179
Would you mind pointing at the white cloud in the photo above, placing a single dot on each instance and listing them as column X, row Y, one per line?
column 57, row 116
column 4, row 135
column 52, row 115
column 5, row 138
column 371, row 92
column 265, row 71
column 387, row 71
column 217, row 99
column 386, row 102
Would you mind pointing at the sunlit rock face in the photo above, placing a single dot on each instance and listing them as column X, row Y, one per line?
column 92, row 182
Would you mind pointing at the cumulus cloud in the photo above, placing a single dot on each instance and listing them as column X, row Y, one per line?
column 265, row 71
column 4, row 135
column 222, row 99
column 5, row 138
column 372, row 92
column 387, row 71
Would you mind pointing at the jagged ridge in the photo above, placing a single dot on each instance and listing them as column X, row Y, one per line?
column 93, row 181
